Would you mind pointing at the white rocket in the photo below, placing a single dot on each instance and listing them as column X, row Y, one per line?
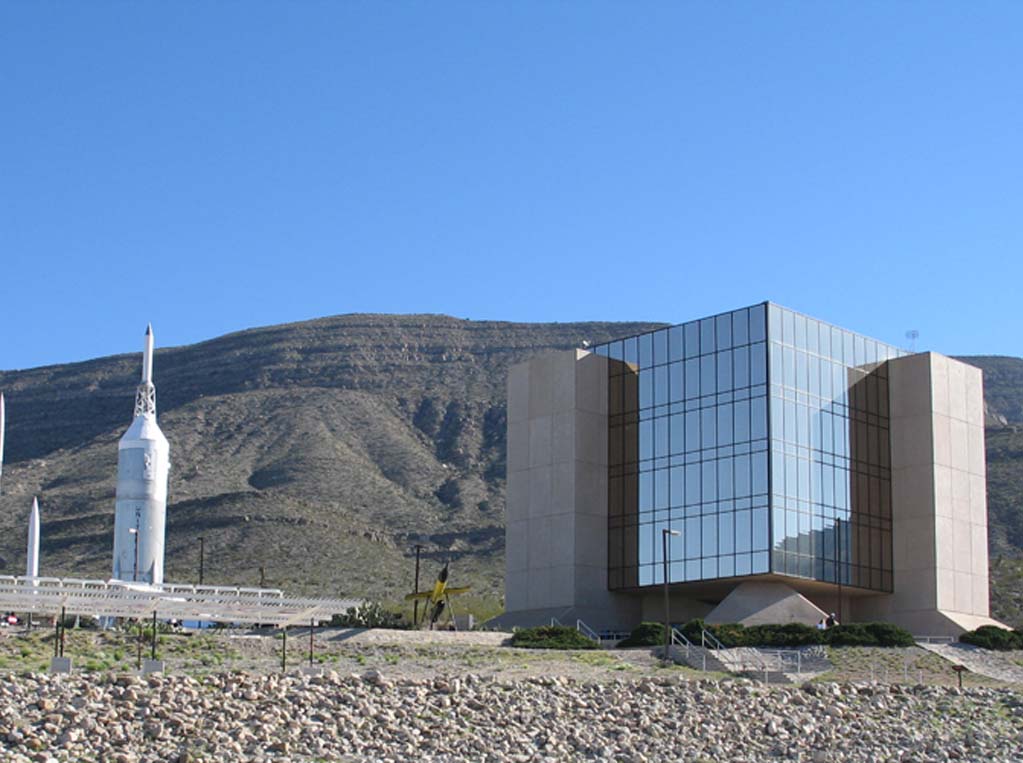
column 143, row 465
column 32, row 565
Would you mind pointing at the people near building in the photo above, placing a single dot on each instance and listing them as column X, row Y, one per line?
column 831, row 621
column 821, row 625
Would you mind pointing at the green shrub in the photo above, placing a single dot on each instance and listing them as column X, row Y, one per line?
column 797, row 634
column 644, row 634
column 993, row 637
column 733, row 634
column 693, row 629
column 787, row 635
column 369, row 614
column 887, row 634
column 551, row 637
column 868, row 634
column 853, row 634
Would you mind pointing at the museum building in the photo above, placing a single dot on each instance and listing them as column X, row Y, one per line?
column 773, row 466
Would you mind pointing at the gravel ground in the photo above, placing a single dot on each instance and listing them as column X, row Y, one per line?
column 246, row 717
column 392, row 695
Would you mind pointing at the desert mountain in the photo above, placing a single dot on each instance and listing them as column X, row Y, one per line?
column 322, row 451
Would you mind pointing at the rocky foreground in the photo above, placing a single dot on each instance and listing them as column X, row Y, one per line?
column 243, row 717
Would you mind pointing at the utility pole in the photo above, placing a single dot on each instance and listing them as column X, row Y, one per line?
column 415, row 605
column 665, row 532
column 202, row 558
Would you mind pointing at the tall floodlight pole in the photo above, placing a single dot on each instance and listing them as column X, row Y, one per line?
column 667, row 606
column 202, row 558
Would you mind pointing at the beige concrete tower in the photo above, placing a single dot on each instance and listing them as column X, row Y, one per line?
column 556, row 563
column 939, row 498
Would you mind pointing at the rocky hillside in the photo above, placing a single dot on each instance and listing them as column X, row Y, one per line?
column 322, row 451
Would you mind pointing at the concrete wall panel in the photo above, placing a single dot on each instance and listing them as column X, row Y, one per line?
column 518, row 392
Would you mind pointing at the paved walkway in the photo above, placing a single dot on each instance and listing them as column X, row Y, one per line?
column 984, row 662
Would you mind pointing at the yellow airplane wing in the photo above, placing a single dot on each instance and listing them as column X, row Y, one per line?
column 420, row 595
column 463, row 589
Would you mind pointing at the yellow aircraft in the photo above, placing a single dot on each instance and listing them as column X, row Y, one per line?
column 437, row 598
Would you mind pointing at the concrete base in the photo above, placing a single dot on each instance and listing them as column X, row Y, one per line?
column 597, row 619
column 311, row 670
column 60, row 664
column 152, row 666
column 765, row 603
column 923, row 623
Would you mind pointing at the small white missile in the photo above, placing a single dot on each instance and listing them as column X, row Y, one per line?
column 32, row 565
column 147, row 356
column 3, row 424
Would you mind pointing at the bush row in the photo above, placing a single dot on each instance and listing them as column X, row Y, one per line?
column 551, row 637
column 787, row 635
column 993, row 637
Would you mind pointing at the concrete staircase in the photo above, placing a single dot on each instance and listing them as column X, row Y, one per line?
column 773, row 666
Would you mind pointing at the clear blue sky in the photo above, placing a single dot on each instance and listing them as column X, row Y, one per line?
column 216, row 166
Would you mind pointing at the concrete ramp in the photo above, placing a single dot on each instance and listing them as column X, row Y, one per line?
column 756, row 603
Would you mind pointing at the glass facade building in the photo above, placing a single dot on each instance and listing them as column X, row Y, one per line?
column 761, row 435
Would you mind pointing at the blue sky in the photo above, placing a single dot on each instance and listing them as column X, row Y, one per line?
column 211, row 167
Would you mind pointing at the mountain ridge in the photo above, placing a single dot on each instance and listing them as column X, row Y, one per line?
column 314, row 454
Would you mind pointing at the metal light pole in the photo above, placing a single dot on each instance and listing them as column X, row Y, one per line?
column 415, row 603
column 135, row 572
column 667, row 610
column 202, row 558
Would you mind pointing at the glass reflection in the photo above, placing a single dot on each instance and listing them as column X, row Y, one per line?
column 691, row 403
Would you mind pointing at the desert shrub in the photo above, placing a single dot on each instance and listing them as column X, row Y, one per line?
column 786, row 635
column 644, row 634
column 551, row 637
column 693, row 629
column 798, row 634
column 868, row 634
column 993, row 637
column 887, row 634
column 732, row 634
column 369, row 614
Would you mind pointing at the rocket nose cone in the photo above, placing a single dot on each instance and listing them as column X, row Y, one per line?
column 149, row 329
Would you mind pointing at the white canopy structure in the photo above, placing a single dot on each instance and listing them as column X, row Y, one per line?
column 114, row 598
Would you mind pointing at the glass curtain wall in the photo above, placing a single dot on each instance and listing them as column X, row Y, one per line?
column 688, row 449
column 830, row 464
column 761, row 436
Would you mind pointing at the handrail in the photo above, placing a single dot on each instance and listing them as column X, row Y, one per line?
column 555, row 622
column 587, row 631
column 706, row 636
column 678, row 638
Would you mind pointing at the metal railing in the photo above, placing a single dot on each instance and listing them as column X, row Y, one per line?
column 587, row 631
column 708, row 638
column 115, row 598
column 679, row 639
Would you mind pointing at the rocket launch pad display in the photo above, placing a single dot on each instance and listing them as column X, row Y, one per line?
column 143, row 466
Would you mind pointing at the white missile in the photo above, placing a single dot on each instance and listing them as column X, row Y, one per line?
column 32, row 565
column 143, row 466
column 3, row 425
column 147, row 356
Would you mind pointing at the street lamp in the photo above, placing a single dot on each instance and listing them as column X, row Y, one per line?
column 202, row 558
column 135, row 573
column 667, row 613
